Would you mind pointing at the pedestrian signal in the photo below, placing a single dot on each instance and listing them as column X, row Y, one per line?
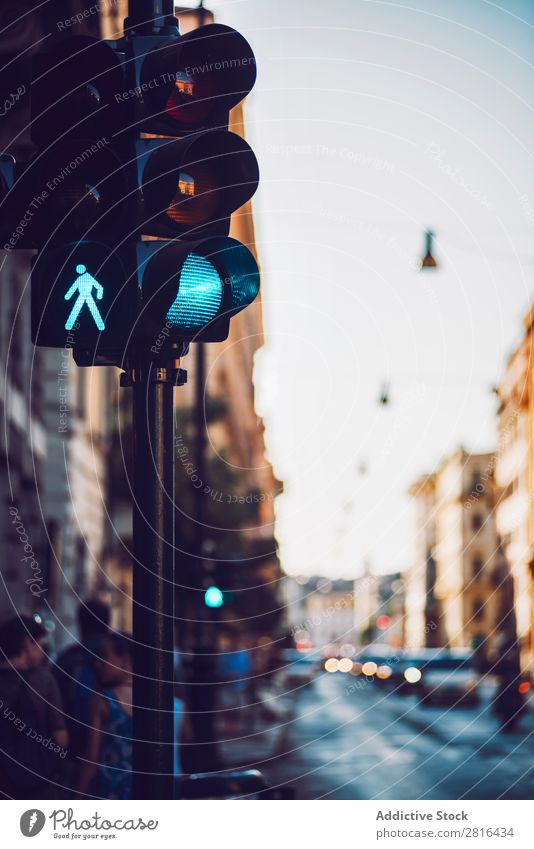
column 81, row 297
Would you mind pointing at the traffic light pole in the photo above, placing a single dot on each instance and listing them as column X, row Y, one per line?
column 200, row 443
column 182, row 288
column 150, row 17
column 203, row 684
column 153, row 580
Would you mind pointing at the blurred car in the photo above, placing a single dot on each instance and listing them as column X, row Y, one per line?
column 298, row 667
column 449, row 678
column 414, row 662
column 378, row 663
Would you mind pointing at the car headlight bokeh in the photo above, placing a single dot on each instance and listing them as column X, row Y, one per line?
column 345, row 664
column 383, row 672
column 332, row 664
column 369, row 668
column 412, row 675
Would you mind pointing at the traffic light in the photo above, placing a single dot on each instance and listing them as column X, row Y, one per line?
column 213, row 597
column 131, row 229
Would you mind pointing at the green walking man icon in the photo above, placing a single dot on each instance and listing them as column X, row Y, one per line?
column 84, row 285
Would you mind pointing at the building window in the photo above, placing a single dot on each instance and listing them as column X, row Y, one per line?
column 478, row 610
column 476, row 484
column 478, row 567
column 477, row 521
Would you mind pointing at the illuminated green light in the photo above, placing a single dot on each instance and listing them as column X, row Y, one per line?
column 213, row 597
column 84, row 285
column 200, row 294
column 245, row 287
column 242, row 275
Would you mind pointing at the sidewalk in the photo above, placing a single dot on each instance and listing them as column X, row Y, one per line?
column 258, row 739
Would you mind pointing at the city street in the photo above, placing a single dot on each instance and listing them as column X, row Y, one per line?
column 267, row 401
column 370, row 744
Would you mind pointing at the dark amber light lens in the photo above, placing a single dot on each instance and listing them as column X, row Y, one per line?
column 195, row 199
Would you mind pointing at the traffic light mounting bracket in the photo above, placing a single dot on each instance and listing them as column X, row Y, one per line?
column 162, row 374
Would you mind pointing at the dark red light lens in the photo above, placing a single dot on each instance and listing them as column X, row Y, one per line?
column 190, row 100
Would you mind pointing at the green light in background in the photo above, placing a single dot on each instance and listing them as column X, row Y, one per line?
column 213, row 597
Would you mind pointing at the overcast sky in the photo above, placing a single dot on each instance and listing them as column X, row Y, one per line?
column 372, row 121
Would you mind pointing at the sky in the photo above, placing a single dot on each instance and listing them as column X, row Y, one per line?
column 373, row 121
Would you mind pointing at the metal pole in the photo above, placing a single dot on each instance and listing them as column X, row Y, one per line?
column 200, row 444
column 203, row 688
column 153, row 581
column 151, row 17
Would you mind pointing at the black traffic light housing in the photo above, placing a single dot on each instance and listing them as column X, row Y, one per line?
column 191, row 186
column 210, row 281
column 132, row 229
column 88, row 307
column 189, row 83
column 76, row 90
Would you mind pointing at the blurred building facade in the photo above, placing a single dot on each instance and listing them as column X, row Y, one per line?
column 457, row 513
column 23, row 441
column 331, row 614
column 23, row 446
column 511, row 475
column 389, row 616
column 321, row 612
column 365, row 605
column 422, row 620
column 515, row 479
column 53, row 446
column 75, row 484
column 466, row 548
column 528, row 646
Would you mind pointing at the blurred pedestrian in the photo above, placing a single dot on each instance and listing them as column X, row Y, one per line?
column 33, row 735
column 234, row 668
column 106, row 772
column 182, row 734
column 508, row 702
column 75, row 672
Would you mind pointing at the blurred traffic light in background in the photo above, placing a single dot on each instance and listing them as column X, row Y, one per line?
column 213, row 597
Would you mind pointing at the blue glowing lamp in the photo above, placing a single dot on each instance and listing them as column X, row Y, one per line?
column 194, row 289
column 213, row 597
column 199, row 296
